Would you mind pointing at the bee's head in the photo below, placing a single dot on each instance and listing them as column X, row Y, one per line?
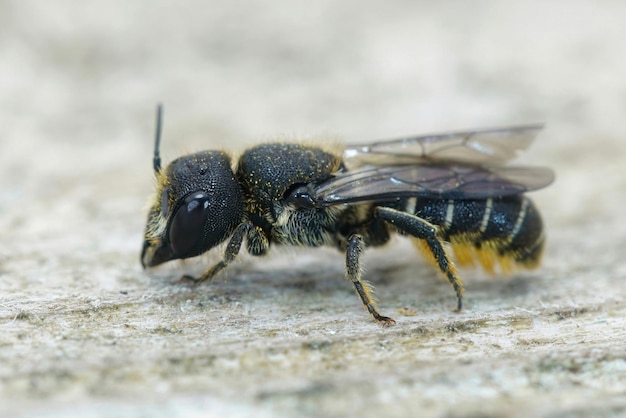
column 197, row 205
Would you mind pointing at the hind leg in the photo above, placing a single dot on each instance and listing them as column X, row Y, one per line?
column 433, row 246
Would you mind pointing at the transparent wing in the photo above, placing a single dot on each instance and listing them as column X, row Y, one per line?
column 443, row 181
column 489, row 146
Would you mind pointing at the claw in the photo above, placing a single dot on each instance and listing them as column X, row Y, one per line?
column 187, row 279
column 385, row 321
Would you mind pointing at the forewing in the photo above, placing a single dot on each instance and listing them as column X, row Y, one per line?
column 442, row 181
column 489, row 146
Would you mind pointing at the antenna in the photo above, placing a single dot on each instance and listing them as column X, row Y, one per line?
column 156, row 160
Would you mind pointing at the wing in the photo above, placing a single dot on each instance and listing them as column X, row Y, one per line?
column 440, row 181
column 489, row 146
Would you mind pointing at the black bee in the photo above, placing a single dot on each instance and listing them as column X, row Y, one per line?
column 452, row 188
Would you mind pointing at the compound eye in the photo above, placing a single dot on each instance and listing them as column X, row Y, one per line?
column 187, row 227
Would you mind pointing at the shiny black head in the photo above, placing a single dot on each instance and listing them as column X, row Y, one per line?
column 198, row 204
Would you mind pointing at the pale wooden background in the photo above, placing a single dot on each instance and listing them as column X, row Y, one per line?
column 85, row 332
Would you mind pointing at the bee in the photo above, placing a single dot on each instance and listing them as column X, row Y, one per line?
column 450, row 193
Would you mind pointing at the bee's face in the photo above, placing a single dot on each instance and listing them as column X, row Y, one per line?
column 197, row 205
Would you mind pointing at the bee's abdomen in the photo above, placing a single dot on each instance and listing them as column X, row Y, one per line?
column 505, row 231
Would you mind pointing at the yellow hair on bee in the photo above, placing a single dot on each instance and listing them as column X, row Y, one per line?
column 427, row 253
column 492, row 255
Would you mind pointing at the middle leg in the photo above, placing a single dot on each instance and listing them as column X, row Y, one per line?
column 353, row 273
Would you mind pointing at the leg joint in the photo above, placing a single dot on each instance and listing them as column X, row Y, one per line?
column 408, row 223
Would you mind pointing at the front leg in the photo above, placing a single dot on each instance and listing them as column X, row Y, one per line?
column 232, row 249
column 363, row 288
column 425, row 231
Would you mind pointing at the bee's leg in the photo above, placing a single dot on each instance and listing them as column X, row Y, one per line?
column 232, row 249
column 257, row 243
column 353, row 273
column 423, row 230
